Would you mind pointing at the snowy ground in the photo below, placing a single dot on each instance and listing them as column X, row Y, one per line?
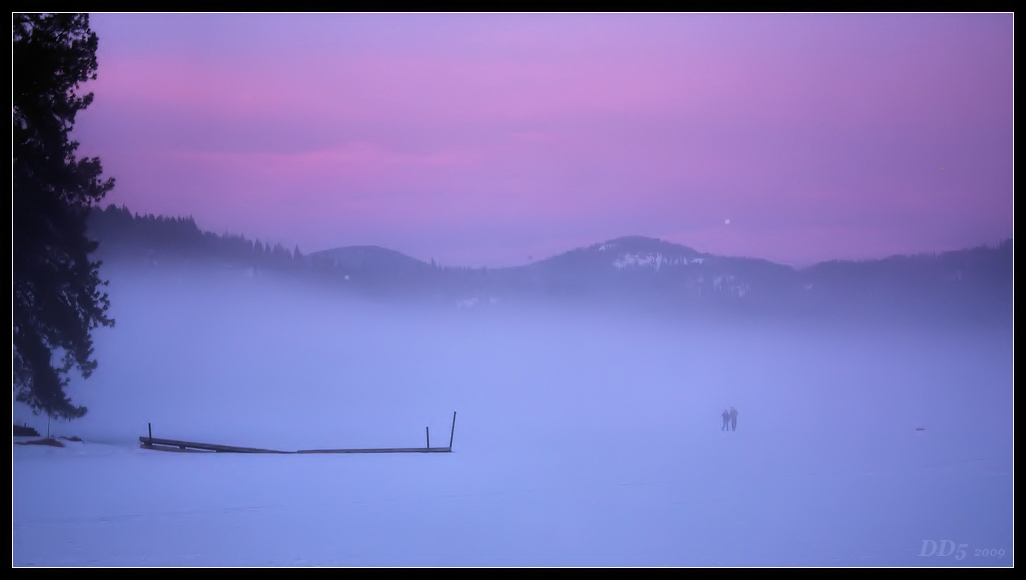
column 580, row 440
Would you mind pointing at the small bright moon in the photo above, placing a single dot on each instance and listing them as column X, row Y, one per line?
column 726, row 222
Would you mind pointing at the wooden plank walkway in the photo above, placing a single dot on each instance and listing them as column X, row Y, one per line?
column 396, row 450
column 183, row 445
column 156, row 447
column 152, row 442
column 175, row 445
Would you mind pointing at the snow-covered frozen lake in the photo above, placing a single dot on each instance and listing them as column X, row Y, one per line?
column 580, row 440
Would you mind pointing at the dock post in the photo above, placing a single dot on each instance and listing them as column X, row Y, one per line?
column 453, row 432
column 149, row 429
column 428, row 433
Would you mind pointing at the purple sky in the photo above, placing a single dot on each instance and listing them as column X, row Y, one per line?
column 480, row 140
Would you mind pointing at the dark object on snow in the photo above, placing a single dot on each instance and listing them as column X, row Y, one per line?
column 51, row 442
column 920, row 428
column 72, row 438
column 24, row 431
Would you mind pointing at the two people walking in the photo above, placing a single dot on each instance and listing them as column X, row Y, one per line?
column 729, row 419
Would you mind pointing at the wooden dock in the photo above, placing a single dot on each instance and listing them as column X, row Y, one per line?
column 396, row 450
column 151, row 442
column 176, row 445
column 188, row 445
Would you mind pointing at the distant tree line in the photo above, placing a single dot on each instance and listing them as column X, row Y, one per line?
column 123, row 233
column 981, row 276
column 141, row 238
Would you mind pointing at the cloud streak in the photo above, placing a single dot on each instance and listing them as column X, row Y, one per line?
column 411, row 130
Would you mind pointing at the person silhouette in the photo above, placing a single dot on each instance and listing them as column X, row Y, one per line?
column 726, row 421
column 733, row 419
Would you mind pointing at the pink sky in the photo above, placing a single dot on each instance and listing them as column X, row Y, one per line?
column 480, row 140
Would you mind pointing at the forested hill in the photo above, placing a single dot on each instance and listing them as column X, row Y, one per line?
column 153, row 241
column 124, row 235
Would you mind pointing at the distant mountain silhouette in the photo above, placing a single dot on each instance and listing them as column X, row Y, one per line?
column 635, row 263
column 370, row 258
column 632, row 271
